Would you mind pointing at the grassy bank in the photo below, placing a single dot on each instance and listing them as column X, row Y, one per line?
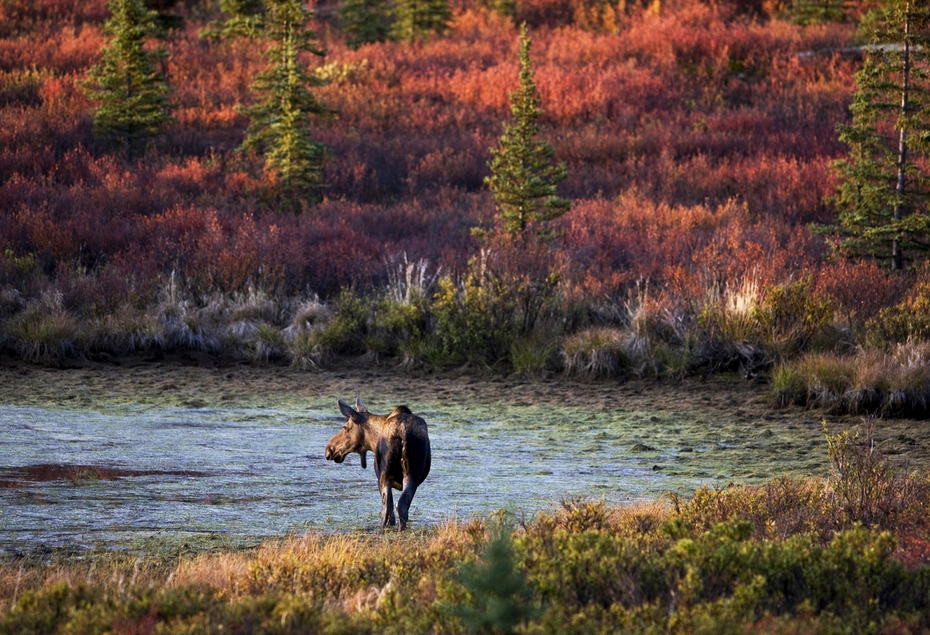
column 791, row 334
column 850, row 553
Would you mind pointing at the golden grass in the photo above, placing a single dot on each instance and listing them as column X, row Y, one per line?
column 871, row 380
column 594, row 352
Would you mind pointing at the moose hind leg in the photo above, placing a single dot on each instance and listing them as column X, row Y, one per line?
column 404, row 501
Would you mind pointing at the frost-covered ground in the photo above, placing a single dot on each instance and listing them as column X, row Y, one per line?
column 116, row 456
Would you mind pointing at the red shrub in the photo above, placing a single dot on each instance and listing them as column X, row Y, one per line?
column 697, row 145
column 860, row 289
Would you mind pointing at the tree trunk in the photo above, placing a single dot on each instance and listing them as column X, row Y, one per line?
column 897, row 260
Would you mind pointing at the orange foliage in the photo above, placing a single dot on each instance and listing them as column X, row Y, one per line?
column 697, row 146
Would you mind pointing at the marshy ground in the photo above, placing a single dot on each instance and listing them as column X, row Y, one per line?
column 190, row 448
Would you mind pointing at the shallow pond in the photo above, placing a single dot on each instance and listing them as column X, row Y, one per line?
column 129, row 473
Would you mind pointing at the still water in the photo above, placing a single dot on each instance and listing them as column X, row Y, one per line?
column 79, row 478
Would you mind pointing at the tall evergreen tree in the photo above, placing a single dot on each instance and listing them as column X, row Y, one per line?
column 279, row 127
column 364, row 22
column 882, row 199
column 523, row 176
column 417, row 19
column 128, row 84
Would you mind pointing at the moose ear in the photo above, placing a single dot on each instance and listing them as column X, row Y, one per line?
column 346, row 410
column 359, row 405
column 363, row 454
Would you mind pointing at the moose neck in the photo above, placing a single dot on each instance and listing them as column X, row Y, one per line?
column 374, row 429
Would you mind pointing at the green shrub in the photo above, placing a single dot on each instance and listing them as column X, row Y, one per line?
column 534, row 354
column 345, row 332
column 750, row 328
column 14, row 268
column 398, row 326
column 475, row 318
column 778, row 509
column 789, row 316
column 910, row 319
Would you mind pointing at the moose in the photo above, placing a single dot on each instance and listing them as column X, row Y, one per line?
column 402, row 455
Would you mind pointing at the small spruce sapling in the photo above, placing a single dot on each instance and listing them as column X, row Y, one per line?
column 364, row 22
column 500, row 596
column 417, row 19
column 524, row 177
column 279, row 128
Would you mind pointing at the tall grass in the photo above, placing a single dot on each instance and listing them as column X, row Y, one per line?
column 892, row 383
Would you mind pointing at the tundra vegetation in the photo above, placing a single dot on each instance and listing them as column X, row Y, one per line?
column 697, row 141
column 847, row 553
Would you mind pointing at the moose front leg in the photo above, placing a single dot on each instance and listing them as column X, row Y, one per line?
column 387, row 501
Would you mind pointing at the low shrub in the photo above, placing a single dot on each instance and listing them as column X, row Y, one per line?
column 128, row 331
column 475, row 317
column 344, row 333
column 44, row 332
column 895, row 383
column 534, row 354
column 777, row 510
column 781, row 556
column 269, row 343
column 790, row 316
column 909, row 319
column 869, row 490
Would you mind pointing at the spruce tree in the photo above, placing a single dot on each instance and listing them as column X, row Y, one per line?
column 279, row 128
column 364, row 22
column 500, row 598
column 164, row 18
column 523, row 176
column 417, row 19
column 882, row 198
column 128, row 84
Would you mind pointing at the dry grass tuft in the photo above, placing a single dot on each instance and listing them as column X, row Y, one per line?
column 895, row 383
column 45, row 332
column 595, row 352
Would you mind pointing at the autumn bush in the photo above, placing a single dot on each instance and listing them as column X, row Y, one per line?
column 697, row 141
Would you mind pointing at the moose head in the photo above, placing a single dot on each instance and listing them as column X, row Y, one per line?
column 352, row 437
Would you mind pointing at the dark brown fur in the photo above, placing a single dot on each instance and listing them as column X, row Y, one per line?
column 400, row 441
